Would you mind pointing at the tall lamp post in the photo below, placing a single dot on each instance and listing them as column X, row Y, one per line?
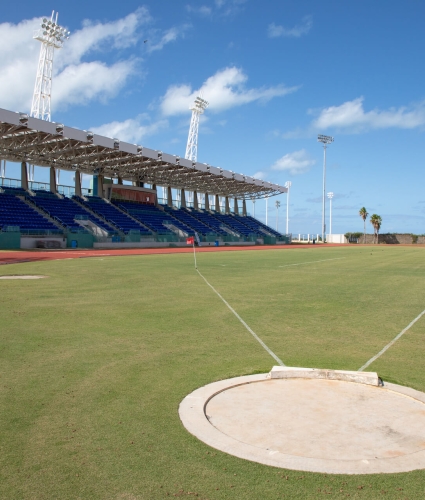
column 325, row 140
column 277, row 214
column 288, row 185
column 330, row 196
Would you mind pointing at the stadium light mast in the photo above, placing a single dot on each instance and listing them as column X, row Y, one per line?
column 288, row 185
column 325, row 140
column 51, row 36
column 330, row 196
column 199, row 106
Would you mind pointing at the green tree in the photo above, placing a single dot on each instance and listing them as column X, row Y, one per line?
column 376, row 221
column 363, row 214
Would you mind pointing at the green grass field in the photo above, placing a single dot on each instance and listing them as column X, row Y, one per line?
column 95, row 359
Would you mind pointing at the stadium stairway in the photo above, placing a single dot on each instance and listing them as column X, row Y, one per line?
column 67, row 212
column 185, row 217
column 157, row 220
column 112, row 215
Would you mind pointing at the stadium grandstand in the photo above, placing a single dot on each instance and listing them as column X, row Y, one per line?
column 123, row 207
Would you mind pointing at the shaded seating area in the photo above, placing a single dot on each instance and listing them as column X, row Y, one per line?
column 153, row 217
column 210, row 221
column 256, row 223
column 15, row 212
column 65, row 211
column 112, row 214
column 186, row 217
column 234, row 224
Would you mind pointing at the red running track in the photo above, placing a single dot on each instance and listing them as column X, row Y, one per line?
column 19, row 256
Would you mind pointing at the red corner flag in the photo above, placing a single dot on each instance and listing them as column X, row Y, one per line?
column 190, row 240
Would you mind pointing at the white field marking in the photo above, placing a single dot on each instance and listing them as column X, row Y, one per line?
column 272, row 354
column 312, row 262
column 371, row 360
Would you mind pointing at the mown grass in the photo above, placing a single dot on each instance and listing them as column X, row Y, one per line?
column 95, row 359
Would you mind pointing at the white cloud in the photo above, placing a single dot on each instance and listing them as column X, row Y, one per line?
column 93, row 37
column 169, row 36
column 295, row 163
column 351, row 115
column 260, row 175
column 81, row 73
column 220, row 8
column 226, row 89
column 202, row 10
column 275, row 31
column 81, row 83
column 132, row 130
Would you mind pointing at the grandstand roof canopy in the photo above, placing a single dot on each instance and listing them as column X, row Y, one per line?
column 50, row 144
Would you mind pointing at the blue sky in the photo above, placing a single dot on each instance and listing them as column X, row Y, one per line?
column 276, row 74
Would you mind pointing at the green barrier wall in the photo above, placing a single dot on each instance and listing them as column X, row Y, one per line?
column 10, row 240
column 84, row 240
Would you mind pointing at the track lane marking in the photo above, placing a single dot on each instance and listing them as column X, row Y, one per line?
column 371, row 360
column 257, row 338
column 312, row 262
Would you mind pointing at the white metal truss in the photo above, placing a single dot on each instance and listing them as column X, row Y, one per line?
column 38, row 142
column 199, row 106
column 51, row 36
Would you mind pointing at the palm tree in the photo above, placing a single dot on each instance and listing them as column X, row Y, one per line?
column 376, row 221
column 363, row 214
column 277, row 213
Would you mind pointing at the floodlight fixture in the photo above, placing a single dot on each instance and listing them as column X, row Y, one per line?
column 52, row 36
column 325, row 140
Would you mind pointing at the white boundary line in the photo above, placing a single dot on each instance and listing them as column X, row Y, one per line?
column 312, row 262
column 272, row 354
column 371, row 360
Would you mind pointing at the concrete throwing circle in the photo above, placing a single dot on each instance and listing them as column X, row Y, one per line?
column 328, row 426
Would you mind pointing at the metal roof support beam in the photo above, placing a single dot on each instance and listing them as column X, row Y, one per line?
column 53, row 187
column 217, row 203
column 226, row 206
column 78, row 191
column 182, row 199
column 24, row 175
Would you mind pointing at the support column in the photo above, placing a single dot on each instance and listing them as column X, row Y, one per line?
column 100, row 186
column 156, row 194
column 119, row 180
column 78, row 183
column 24, row 176
column 235, row 207
column 169, row 197
column 244, row 207
column 182, row 199
column 53, row 187
column 195, row 200
column 217, row 203
column 207, row 201
column 226, row 206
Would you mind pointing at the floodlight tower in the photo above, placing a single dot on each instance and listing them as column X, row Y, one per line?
column 199, row 106
column 51, row 36
column 325, row 140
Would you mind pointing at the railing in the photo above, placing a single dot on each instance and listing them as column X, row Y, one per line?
column 62, row 189
column 306, row 238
